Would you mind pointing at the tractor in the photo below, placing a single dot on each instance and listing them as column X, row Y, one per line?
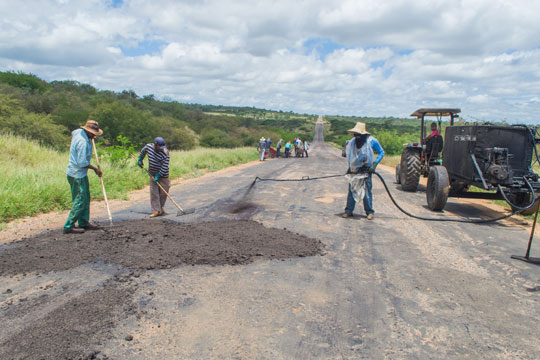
column 494, row 158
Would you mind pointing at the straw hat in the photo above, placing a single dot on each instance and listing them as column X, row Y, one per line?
column 262, row 139
column 92, row 126
column 360, row 128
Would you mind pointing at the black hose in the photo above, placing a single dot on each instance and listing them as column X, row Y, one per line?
column 468, row 221
column 514, row 206
column 304, row 178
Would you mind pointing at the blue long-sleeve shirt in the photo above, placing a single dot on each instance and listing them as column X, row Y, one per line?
column 80, row 153
column 376, row 146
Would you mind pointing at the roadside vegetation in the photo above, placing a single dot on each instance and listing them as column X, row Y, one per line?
column 34, row 181
column 48, row 111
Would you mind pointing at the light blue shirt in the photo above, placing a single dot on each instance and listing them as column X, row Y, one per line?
column 80, row 154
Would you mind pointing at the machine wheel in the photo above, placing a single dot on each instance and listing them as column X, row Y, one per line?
column 437, row 188
column 524, row 199
column 410, row 169
column 398, row 175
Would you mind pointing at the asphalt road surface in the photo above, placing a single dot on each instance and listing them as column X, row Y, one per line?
column 394, row 287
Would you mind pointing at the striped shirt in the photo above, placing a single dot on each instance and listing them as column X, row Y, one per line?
column 158, row 160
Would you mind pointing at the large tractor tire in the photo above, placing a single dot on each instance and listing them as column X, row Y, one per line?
column 410, row 169
column 398, row 174
column 437, row 188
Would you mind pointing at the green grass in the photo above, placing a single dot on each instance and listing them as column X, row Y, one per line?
column 391, row 160
column 34, row 180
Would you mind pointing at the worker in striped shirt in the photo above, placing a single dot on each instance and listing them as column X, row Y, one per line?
column 158, row 159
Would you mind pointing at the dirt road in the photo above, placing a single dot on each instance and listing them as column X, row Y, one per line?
column 392, row 288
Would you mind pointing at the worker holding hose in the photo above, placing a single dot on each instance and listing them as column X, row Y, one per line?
column 360, row 153
column 80, row 153
column 158, row 169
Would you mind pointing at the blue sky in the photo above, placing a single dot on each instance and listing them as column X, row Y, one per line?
column 145, row 47
column 321, row 46
column 350, row 57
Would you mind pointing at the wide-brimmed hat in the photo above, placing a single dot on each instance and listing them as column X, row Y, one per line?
column 360, row 128
column 262, row 139
column 92, row 126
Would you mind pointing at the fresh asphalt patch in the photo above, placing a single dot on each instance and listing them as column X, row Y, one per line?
column 157, row 244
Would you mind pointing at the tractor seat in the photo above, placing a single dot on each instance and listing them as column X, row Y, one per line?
column 434, row 147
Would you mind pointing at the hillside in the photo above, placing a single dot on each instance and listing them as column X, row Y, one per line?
column 49, row 111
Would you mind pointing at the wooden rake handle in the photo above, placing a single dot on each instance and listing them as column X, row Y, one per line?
column 102, row 183
column 166, row 193
column 162, row 189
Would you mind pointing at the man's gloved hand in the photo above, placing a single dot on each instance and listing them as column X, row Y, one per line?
column 139, row 162
column 156, row 177
column 373, row 167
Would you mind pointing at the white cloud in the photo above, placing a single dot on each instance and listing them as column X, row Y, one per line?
column 389, row 57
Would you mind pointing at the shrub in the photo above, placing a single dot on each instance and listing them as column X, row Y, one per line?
column 24, row 81
column 118, row 155
column 35, row 126
column 217, row 138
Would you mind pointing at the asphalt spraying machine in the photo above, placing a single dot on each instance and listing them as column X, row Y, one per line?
column 494, row 158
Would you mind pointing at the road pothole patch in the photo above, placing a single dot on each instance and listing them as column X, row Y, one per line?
column 157, row 244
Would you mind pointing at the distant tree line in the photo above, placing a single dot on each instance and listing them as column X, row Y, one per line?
column 392, row 133
column 49, row 111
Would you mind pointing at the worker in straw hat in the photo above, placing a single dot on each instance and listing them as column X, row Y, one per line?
column 360, row 153
column 80, row 154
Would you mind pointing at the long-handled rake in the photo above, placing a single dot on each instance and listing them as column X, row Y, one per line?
column 102, row 184
column 180, row 210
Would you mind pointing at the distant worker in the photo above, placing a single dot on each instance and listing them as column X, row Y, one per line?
column 262, row 148
column 299, row 149
column 158, row 167
column 80, row 153
column 278, row 147
column 306, row 148
column 288, row 147
column 268, row 144
column 360, row 151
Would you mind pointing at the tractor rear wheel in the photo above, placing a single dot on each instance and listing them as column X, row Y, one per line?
column 437, row 188
column 398, row 174
column 410, row 169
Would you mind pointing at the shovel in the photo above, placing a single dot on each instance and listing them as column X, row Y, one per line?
column 180, row 210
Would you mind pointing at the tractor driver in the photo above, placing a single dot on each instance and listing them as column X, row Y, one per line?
column 434, row 142
column 434, row 131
